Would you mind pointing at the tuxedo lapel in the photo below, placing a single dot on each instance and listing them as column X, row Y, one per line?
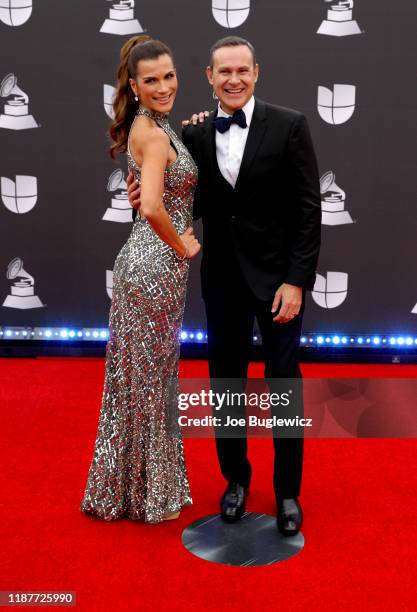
column 257, row 131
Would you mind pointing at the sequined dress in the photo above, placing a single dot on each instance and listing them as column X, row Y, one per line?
column 138, row 469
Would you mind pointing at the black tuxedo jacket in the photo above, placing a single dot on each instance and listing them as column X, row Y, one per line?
column 271, row 221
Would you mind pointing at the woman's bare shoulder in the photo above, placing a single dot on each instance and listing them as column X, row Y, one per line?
column 145, row 132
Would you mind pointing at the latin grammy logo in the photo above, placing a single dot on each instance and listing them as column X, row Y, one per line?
column 19, row 196
column 15, row 12
column 120, row 210
column 331, row 290
column 339, row 20
column 108, row 96
column 338, row 105
column 230, row 13
column 16, row 110
column 121, row 19
column 22, row 293
column 109, row 283
column 333, row 201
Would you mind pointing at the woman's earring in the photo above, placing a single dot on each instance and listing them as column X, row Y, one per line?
column 136, row 98
column 215, row 97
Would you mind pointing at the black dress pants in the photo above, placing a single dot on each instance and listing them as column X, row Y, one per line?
column 231, row 309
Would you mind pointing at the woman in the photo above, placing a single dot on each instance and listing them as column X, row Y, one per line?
column 138, row 467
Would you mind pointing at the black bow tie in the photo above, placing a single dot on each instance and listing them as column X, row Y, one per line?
column 222, row 124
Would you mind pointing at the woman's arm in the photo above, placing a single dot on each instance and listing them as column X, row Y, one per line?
column 153, row 148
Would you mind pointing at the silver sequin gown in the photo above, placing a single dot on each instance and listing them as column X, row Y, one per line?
column 138, row 469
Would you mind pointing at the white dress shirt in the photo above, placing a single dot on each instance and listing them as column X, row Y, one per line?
column 231, row 145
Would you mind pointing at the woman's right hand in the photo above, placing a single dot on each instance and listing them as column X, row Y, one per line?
column 190, row 242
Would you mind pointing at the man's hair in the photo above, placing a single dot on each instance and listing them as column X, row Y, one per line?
column 232, row 41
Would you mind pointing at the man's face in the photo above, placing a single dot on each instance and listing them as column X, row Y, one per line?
column 233, row 76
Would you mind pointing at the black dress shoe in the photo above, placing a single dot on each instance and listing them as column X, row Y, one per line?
column 289, row 517
column 233, row 502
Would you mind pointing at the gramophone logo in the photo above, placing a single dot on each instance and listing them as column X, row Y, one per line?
column 15, row 12
column 22, row 293
column 19, row 196
column 338, row 105
column 121, row 19
column 333, row 201
column 16, row 110
column 120, row 210
column 108, row 95
column 330, row 291
column 230, row 13
column 109, row 283
column 339, row 20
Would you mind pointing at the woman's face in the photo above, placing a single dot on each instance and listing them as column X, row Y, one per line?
column 156, row 83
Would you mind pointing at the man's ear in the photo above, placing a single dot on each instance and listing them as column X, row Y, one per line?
column 209, row 73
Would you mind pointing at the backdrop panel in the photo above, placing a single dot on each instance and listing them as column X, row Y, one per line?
column 350, row 67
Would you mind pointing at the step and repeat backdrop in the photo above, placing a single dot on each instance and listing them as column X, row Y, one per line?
column 64, row 215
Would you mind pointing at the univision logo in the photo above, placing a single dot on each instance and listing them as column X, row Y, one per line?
column 19, row 196
column 337, row 105
column 15, row 12
column 331, row 290
column 230, row 13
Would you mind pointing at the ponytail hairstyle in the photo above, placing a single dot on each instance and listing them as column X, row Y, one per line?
column 124, row 104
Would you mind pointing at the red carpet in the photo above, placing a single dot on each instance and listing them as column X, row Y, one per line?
column 359, row 498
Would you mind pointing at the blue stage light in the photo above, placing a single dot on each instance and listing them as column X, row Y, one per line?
column 359, row 340
column 48, row 333
column 336, row 340
column 184, row 335
column 95, row 334
column 64, row 333
column 103, row 334
column 376, row 340
column 409, row 341
column 320, row 339
column 199, row 335
column 400, row 340
column 71, row 333
column 80, row 334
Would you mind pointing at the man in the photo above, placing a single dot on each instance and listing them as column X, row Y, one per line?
column 259, row 200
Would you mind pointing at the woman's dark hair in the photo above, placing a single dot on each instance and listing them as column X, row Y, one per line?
column 125, row 106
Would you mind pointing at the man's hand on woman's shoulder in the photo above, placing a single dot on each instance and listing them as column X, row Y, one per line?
column 196, row 118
